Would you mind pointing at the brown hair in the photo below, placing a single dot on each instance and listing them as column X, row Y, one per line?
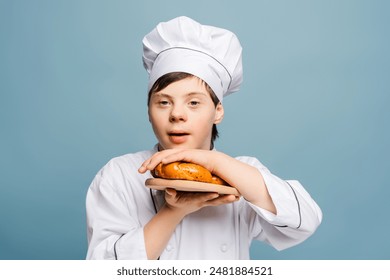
column 170, row 78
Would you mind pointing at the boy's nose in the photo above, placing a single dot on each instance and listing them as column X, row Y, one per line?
column 178, row 114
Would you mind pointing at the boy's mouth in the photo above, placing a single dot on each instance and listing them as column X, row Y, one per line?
column 178, row 137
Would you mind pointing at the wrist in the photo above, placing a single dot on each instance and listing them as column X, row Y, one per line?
column 174, row 213
column 218, row 161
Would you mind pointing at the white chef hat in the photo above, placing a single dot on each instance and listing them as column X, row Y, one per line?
column 183, row 45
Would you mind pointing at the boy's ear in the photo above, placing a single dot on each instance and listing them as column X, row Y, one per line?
column 219, row 113
column 150, row 120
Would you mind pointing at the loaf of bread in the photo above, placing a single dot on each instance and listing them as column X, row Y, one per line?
column 186, row 171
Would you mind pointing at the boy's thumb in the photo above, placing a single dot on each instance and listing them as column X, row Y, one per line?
column 170, row 191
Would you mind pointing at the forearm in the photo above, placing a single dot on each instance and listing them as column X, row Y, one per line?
column 159, row 230
column 247, row 179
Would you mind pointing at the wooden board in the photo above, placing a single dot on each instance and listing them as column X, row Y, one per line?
column 189, row 186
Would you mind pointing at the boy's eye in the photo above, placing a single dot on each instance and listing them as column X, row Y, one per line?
column 194, row 103
column 163, row 102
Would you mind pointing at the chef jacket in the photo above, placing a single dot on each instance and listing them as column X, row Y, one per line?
column 119, row 206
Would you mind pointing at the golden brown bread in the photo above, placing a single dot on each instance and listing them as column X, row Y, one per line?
column 186, row 171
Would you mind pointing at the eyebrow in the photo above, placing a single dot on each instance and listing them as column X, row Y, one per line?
column 197, row 93
column 162, row 94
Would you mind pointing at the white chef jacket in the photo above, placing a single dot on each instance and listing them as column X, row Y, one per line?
column 119, row 205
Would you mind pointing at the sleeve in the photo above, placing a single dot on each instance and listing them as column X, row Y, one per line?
column 113, row 233
column 298, row 215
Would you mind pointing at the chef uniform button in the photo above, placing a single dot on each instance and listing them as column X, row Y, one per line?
column 169, row 248
column 224, row 248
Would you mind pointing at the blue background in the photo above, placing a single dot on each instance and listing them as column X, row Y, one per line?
column 313, row 107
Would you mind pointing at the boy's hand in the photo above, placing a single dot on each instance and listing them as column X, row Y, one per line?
column 204, row 158
column 188, row 202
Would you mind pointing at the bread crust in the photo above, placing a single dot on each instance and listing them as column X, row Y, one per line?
column 186, row 171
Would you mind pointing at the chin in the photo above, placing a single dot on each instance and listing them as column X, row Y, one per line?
column 178, row 146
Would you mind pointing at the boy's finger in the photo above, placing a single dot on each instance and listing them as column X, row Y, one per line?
column 212, row 196
column 170, row 192
column 222, row 200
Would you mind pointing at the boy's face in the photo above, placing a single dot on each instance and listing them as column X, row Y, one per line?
column 182, row 115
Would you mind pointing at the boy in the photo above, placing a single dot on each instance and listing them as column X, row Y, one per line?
column 191, row 68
